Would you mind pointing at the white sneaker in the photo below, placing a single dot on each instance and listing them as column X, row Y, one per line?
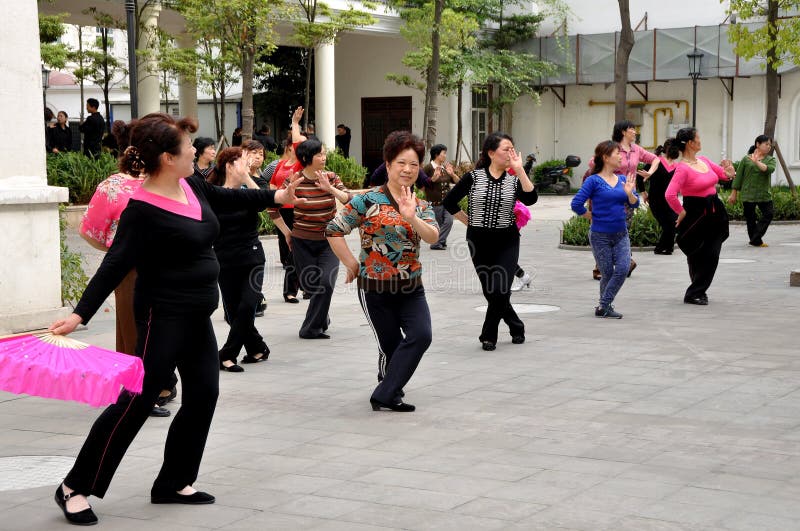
column 519, row 283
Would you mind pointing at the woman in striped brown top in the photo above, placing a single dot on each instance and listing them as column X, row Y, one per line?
column 314, row 260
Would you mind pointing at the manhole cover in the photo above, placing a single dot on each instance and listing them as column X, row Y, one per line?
column 735, row 261
column 30, row 471
column 791, row 244
column 526, row 308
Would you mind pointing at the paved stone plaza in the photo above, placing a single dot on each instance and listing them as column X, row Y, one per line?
column 675, row 417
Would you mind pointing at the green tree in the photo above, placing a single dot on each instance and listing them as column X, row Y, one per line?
column 242, row 29
column 51, row 28
column 311, row 32
column 777, row 41
column 98, row 63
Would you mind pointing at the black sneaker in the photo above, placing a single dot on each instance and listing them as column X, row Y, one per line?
column 607, row 312
column 159, row 412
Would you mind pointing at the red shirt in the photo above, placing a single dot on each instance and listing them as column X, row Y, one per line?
column 282, row 172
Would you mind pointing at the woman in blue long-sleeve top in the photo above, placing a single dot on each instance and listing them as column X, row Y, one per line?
column 608, row 234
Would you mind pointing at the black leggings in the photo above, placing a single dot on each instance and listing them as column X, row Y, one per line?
column 700, row 237
column 241, row 295
column 495, row 254
column 164, row 343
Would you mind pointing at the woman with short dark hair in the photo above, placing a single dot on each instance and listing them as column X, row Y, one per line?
column 314, row 261
column 392, row 222
column 59, row 135
column 754, row 182
column 205, row 153
column 166, row 233
column 492, row 229
column 702, row 219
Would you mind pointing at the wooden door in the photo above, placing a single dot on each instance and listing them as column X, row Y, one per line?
column 379, row 117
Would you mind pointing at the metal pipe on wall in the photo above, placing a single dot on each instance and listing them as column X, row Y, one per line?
column 677, row 103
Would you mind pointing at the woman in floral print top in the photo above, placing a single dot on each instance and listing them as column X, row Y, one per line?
column 391, row 221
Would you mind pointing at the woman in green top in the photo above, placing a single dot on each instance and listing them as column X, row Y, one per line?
column 753, row 182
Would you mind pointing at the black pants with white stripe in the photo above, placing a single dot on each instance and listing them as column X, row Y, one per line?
column 402, row 326
column 164, row 343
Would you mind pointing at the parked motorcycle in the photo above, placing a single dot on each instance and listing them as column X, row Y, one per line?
column 556, row 178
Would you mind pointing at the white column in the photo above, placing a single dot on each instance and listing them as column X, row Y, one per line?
column 187, row 85
column 325, row 96
column 30, row 268
column 452, row 144
column 149, row 86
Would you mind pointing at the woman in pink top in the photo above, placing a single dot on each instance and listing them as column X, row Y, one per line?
column 98, row 227
column 702, row 219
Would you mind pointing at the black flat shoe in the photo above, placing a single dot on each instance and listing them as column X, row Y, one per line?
column 159, row 411
column 699, row 301
column 290, row 299
column 488, row 345
column 198, row 498
column 254, row 359
column 401, row 407
column 84, row 517
column 161, row 401
column 232, row 368
column 318, row 336
column 631, row 268
column 518, row 340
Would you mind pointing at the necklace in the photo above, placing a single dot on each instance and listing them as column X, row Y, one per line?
column 687, row 161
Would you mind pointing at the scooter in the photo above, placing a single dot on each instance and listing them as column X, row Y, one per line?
column 555, row 178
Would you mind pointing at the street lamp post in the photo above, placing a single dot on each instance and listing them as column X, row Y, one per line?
column 133, row 77
column 45, row 83
column 695, row 66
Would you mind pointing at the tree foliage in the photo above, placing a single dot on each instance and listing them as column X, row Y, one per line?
column 51, row 28
column 756, row 41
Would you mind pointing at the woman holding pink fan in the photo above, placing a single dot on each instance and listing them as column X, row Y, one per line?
column 166, row 233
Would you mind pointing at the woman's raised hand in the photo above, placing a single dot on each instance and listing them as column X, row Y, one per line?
column 297, row 115
column 407, row 203
column 323, row 180
column 287, row 195
column 629, row 185
column 516, row 162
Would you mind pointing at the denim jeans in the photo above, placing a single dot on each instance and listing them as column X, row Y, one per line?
column 612, row 252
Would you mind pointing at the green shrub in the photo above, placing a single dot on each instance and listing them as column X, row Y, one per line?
column 644, row 231
column 73, row 277
column 79, row 173
column 270, row 156
column 347, row 168
column 540, row 168
column 786, row 206
column 266, row 225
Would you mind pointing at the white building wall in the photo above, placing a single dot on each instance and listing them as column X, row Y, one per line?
column 602, row 16
column 553, row 131
column 362, row 62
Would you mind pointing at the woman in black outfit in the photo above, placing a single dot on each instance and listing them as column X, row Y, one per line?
column 166, row 233
column 492, row 229
column 241, row 263
column 59, row 135
column 659, row 181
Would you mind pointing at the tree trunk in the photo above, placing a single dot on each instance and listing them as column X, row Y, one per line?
column 307, row 101
column 459, row 121
column 248, row 62
column 772, row 73
column 215, row 102
column 432, row 90
column 80, row 67
column 106, row 78
column 221, row 131
column 621, row 62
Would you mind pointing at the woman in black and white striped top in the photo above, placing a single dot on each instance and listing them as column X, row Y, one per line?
column 493, row 187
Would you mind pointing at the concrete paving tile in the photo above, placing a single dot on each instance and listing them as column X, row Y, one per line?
column 572, row 518
column 737, row 483
column 497, row 508
column 712, row 498
column 498, row 471
column 574, row 481
column 272, row 520
column 318, row 506
column 456, row 522
column 331, row 525
column 636, row 523
column 297, row 484
column 531, row 492
column 389, row 515
column 748, row 521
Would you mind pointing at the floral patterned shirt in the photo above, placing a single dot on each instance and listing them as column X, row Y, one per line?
column 389, row 258
column 101, row 218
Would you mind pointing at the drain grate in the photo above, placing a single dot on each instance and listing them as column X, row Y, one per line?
column 30, row 471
